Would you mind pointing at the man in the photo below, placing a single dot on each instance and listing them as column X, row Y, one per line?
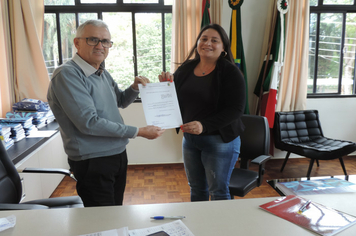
column 85, row 99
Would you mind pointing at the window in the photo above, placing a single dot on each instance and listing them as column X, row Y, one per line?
column 332, row 46
column 140, row 29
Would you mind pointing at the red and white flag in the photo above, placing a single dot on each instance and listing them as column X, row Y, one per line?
column 272, row 95
column 275, row 78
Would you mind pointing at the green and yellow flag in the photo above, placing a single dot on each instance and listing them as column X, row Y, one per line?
column 236, row 42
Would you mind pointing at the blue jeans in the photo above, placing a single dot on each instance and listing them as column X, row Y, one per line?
column 208, row 163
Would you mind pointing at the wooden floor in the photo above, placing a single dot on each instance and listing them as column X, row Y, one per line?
column 167, row 183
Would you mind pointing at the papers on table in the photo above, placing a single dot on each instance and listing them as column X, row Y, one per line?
column 113, row 232
column 8, row 222
column 160, row 105
column 175, row 228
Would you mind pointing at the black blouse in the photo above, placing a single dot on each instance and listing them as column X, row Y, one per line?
column 218, row 102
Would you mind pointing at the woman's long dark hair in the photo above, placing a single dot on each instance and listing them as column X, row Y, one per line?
column 225, row 41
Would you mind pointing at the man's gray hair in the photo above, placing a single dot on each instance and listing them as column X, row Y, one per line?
column 97, row 23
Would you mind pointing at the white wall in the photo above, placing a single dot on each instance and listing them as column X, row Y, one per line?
column 336, row 115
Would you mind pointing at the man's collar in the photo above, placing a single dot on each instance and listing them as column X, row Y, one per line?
column 85, row 66
column 101, row 69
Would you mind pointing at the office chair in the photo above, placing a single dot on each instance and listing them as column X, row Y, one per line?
column 300, row 132
column 11, row 188
column 255, row 142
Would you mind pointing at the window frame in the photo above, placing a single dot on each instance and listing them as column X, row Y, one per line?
column 119, row 6
column 343, row 9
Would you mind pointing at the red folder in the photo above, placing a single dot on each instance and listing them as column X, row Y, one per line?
column 315, row 217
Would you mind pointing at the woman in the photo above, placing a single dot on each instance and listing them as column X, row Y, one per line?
column 211, row 95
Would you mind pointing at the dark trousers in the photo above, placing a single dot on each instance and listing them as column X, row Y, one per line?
column 101, row 181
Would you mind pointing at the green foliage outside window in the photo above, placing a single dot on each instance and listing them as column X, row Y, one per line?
column 121, row 61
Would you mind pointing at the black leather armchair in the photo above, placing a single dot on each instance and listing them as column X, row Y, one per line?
column 11, row 189
column 255, row 143
column 300, row 132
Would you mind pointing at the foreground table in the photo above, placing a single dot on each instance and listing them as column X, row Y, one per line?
column 234, row 217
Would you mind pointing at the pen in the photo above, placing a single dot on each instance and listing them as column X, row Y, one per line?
column 304, row 207
column 166, row 217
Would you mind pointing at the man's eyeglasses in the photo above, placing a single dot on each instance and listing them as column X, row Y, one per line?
column 91, row 41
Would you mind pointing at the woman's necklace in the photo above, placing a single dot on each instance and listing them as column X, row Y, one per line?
column 208, row 70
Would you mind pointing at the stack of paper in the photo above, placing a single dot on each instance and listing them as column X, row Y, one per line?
column 39, row 118
column 5, row 133
column 175, row 228
column 17, row 131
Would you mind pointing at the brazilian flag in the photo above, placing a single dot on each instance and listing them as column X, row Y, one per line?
column 206, row 15
column 236, row 42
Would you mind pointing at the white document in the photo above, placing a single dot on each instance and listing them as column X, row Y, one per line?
column 8, row 222
column 113, row 232
column 175, row 228
column 160, row 105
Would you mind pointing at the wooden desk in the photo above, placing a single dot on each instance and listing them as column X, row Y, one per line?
column 218, row 218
